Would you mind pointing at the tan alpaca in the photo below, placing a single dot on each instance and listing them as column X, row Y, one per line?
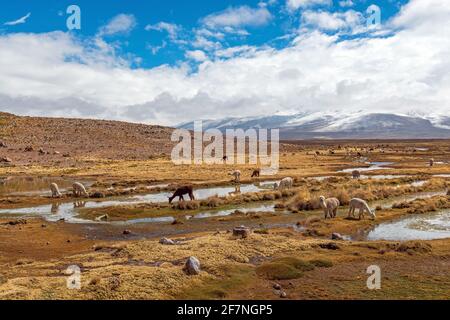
column 237, row 175
column 329, row 206
column 286, row 183
column 79, row 190
column 362, row 206
column 55, row 191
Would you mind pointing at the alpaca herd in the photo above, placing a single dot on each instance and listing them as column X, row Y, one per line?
column 330, row 206
column 78, row 190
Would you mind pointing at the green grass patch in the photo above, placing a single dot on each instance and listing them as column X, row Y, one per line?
column 321, row 263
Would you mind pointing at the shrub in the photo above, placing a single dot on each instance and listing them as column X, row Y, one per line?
column 278, row 271
column 320, row 263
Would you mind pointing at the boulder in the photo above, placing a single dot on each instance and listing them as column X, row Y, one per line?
column 337, row 236
column 192, row 266
column 168, row 242
column 5, row 159
column 241, row 231
column 3, row 145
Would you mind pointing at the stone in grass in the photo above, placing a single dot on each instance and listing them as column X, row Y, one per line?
column 329, row 246
column 166, row 241
column 241, row 231
column 192, row 266
column 337, row 236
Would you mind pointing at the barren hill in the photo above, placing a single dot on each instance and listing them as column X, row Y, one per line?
column 61, row 140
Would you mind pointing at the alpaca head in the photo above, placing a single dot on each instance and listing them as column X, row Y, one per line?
column 373, row 215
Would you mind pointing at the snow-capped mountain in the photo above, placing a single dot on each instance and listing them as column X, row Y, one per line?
column 339, row 125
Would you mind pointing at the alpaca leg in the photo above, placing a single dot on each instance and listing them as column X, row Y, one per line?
column 181, row 198
column 191, row 195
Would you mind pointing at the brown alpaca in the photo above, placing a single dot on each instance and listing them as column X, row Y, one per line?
column 256, row 173
column 181, row 191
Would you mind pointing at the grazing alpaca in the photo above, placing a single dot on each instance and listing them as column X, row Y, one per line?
column 431, row 162
column 237, row 175
column 329, row 206
column 362, row 206
column 356, row 174
column 55, row 191
column 256, row 173
column 79, row 190
column 286, row 183
column 181, row 191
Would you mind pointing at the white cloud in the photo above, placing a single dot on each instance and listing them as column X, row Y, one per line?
column 332, row 20
column 18, row 21
column 296, row 4
column 197, row 55
column 405, row 72
column 122, row 23
column 346, row 3
column 171, row 28
column 238, row 17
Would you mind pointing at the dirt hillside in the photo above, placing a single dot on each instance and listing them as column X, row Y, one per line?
column 35, row 140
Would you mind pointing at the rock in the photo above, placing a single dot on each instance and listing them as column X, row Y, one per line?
column 97, row 195
column 43, row 225
column 41, row 151
column 329, row 246
column 5, row 159
column 29, row 149
column 17, row 222
column 56, row 152
column 277, row 286
column 3, row 145
column 177, row 222
column 168, row 242
column 192, row 266
column 241, row 231
column 66, row 155
column 283, row 295
column 337, row 236
column 126, row 232
column 104, row 217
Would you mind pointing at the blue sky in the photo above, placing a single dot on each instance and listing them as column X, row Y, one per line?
column 47, row 16
column 175, row 61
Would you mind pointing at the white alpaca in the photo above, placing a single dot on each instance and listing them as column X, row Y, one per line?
column 55, row 191
column 362, row 206
column 286, row 183
column 329, row 206
column 237, row 175
column 79, row 190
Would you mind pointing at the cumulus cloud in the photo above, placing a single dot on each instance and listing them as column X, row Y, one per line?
column 407, row 71
column 171, row 28
column 122, row 23
column 332, row 20
column 238, row 17
column 346, row 3
column 18, row 21
column 296, row 4
column 197, row 55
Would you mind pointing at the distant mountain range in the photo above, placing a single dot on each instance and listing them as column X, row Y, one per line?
column 340, row 125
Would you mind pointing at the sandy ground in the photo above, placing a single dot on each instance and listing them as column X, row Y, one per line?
column 35, row 255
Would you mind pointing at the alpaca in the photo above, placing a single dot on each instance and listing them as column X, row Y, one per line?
column 55, row 191
column 431, row 162
column 79, row 190
column 256, row 173
column 362, row 206
column 181, row 191
column 356, row 174
column 329, row 206
column 237, row 176
column 286, row 183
